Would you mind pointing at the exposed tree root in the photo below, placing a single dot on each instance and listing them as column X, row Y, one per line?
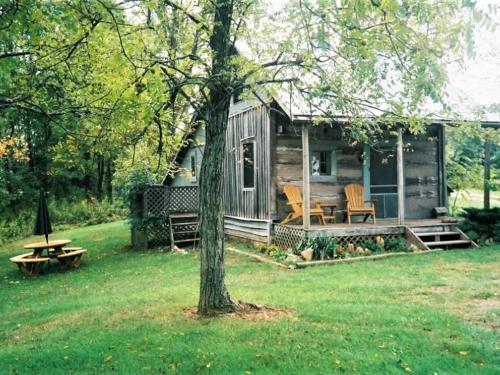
column 242, row 310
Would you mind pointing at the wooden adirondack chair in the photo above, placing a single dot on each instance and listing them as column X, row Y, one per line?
column 295, row 201
column 355, row 203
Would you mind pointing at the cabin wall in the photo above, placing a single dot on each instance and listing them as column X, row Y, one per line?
column 423, row 169
column 251, row 124
column 184, row 177
column 423, row 178
column 288, row 164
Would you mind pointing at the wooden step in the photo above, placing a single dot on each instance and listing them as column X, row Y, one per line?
column 185, row 223
column 448, row 243
column 187, row 240
column 444, row 233
column 185, row 231
column 183, row 216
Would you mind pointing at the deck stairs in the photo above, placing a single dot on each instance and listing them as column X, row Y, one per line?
column 183, row 229
column 440, row 236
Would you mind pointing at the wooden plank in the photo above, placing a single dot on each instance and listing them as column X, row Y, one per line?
column 306, row 196
column 401, row 188
column 463, row 236
column 413, row 238
column 258, row 257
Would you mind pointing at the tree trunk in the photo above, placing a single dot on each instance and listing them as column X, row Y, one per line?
column 109, row 179
column 214, row 296
column 487, row 173
column 87, row 177
column 100, row 176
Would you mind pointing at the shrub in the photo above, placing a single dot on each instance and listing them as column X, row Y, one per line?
column 396, row 244
column 372, row 246
column 481, row 225
column 323, row 247
column 63, row 214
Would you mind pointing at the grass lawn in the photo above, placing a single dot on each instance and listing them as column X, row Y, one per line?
column 122, row 312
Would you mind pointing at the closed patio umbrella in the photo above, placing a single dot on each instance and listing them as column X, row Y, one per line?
column 42, row 224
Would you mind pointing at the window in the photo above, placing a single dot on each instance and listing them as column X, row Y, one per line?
column 248, row 164
column 323, row 165
column 193, row 167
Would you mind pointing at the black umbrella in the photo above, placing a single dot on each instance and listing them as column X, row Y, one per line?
column 42, row 224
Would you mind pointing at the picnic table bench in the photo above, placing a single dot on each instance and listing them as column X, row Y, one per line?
column 32, row 263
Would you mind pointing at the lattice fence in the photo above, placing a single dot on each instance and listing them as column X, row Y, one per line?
column 358, row 240
column 288, row 237
column 158, row 203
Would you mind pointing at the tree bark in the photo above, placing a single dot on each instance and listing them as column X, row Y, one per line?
column 487, row 173
column 214, row 296
column 100, row 176
column 110, row 169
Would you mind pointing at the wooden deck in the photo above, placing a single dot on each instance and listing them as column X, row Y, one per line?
column 290, row 235
column 383, row 226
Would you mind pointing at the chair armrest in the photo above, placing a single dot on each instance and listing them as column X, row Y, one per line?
column 290, row 203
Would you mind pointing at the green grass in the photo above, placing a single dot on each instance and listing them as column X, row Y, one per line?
column 122, row 312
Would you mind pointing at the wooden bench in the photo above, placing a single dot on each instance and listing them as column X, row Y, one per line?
column 29, row 264
column 71, row 256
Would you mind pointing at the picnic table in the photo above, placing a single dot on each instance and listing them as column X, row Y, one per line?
column 39, row 247
column 32, row 263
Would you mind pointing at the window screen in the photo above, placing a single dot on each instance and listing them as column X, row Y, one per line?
column 248, row 165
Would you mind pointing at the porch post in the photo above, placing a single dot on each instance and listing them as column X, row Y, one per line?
column 401, row 188
column 306, row 193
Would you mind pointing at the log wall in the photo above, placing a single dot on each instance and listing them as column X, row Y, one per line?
column 288, row 164
column 423, row 179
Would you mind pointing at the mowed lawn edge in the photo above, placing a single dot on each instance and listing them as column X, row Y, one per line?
column 123, row 312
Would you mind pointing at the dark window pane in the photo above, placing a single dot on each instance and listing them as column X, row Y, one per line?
column 321, row 163
column 248, row 165
column 193, row 166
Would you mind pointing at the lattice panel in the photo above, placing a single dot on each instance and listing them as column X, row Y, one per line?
column 288, row 237
column 158, row 232
column 156, row 201
column 159, row 202
column 184, row 199
column 359, row 240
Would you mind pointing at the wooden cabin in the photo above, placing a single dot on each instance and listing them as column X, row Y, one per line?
column 266, row 150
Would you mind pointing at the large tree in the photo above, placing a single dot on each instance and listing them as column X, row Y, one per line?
column 358, row 57
column 349, row 57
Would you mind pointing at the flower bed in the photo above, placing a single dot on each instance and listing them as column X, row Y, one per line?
column 326, row 249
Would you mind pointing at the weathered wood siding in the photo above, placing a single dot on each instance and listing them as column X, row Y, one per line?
column 184, row 176
column 422, row 173
column 252, row 123
column 422, row 168
column 288, row 164
column 250, row 229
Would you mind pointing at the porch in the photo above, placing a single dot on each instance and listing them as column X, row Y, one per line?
column 424, row 234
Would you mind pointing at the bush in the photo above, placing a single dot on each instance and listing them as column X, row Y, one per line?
column 396, row 244
column 481, row 225
column 323, row 247
column 372, row 246
column 63, row 214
